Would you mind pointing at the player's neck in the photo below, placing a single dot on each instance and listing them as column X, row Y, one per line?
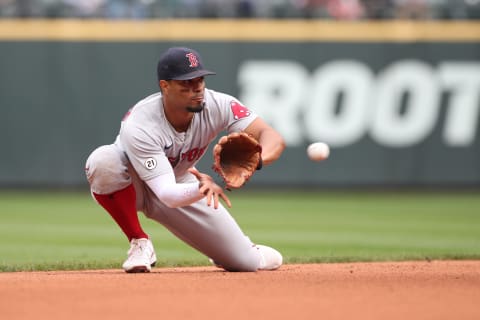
column 179, row 119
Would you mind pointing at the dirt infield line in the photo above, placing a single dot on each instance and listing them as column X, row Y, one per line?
column 387, row 290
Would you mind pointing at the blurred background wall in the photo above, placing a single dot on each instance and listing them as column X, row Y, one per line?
column 392, row 86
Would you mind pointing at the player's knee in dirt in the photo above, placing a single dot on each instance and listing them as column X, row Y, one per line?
column 106, row 170
column 242, row 263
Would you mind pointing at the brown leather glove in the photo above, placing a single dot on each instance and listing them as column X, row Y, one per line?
column 236, row 157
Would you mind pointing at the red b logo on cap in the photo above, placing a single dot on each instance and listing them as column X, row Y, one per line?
column 192, row 58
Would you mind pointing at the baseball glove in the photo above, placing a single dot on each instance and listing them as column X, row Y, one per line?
column 236, row 157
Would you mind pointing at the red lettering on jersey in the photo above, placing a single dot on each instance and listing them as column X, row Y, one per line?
column 201, row 151
column 239, row 111
column 193, row 154
column 192, row 58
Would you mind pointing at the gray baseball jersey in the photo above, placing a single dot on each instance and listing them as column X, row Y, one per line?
column 146, row 135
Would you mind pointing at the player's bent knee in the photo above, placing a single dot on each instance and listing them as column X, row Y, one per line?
column 243, row 268
column 106, row 170
column 241, row 264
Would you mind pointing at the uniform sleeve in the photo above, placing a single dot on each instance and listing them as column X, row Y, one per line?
column 237, row 115
column 173, row 194
column 144, row 152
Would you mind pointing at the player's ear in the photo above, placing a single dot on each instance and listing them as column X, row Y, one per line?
column 163, row 85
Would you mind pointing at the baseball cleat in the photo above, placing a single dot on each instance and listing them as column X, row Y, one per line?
column 271, row 258
column 141, row 256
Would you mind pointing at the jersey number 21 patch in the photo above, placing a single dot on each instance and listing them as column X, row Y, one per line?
column 150, row 163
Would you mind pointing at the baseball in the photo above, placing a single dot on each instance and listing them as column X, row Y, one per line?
column 318, row 151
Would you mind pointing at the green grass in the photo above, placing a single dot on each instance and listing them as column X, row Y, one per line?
column 68, row 230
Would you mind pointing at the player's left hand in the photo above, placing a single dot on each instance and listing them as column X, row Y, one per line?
column 236, row 157
column 210, row 189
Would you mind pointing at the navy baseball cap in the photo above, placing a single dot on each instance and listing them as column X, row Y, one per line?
column 180, row 63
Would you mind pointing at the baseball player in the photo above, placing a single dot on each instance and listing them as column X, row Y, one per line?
column 151, row 168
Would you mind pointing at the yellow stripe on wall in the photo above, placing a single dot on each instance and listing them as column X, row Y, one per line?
column 238, row 30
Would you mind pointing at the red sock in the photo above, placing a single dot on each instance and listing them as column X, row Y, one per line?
column 121, row 205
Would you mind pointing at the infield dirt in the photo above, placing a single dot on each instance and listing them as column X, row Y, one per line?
column 387, row 290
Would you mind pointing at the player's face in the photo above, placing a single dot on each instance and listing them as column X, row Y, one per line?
column 188, row 94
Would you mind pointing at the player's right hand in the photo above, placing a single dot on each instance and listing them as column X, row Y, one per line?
column 210, row 189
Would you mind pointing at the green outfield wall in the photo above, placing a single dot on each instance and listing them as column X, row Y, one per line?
column 398, row 102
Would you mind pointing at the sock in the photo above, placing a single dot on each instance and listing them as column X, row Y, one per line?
column 121, row 205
